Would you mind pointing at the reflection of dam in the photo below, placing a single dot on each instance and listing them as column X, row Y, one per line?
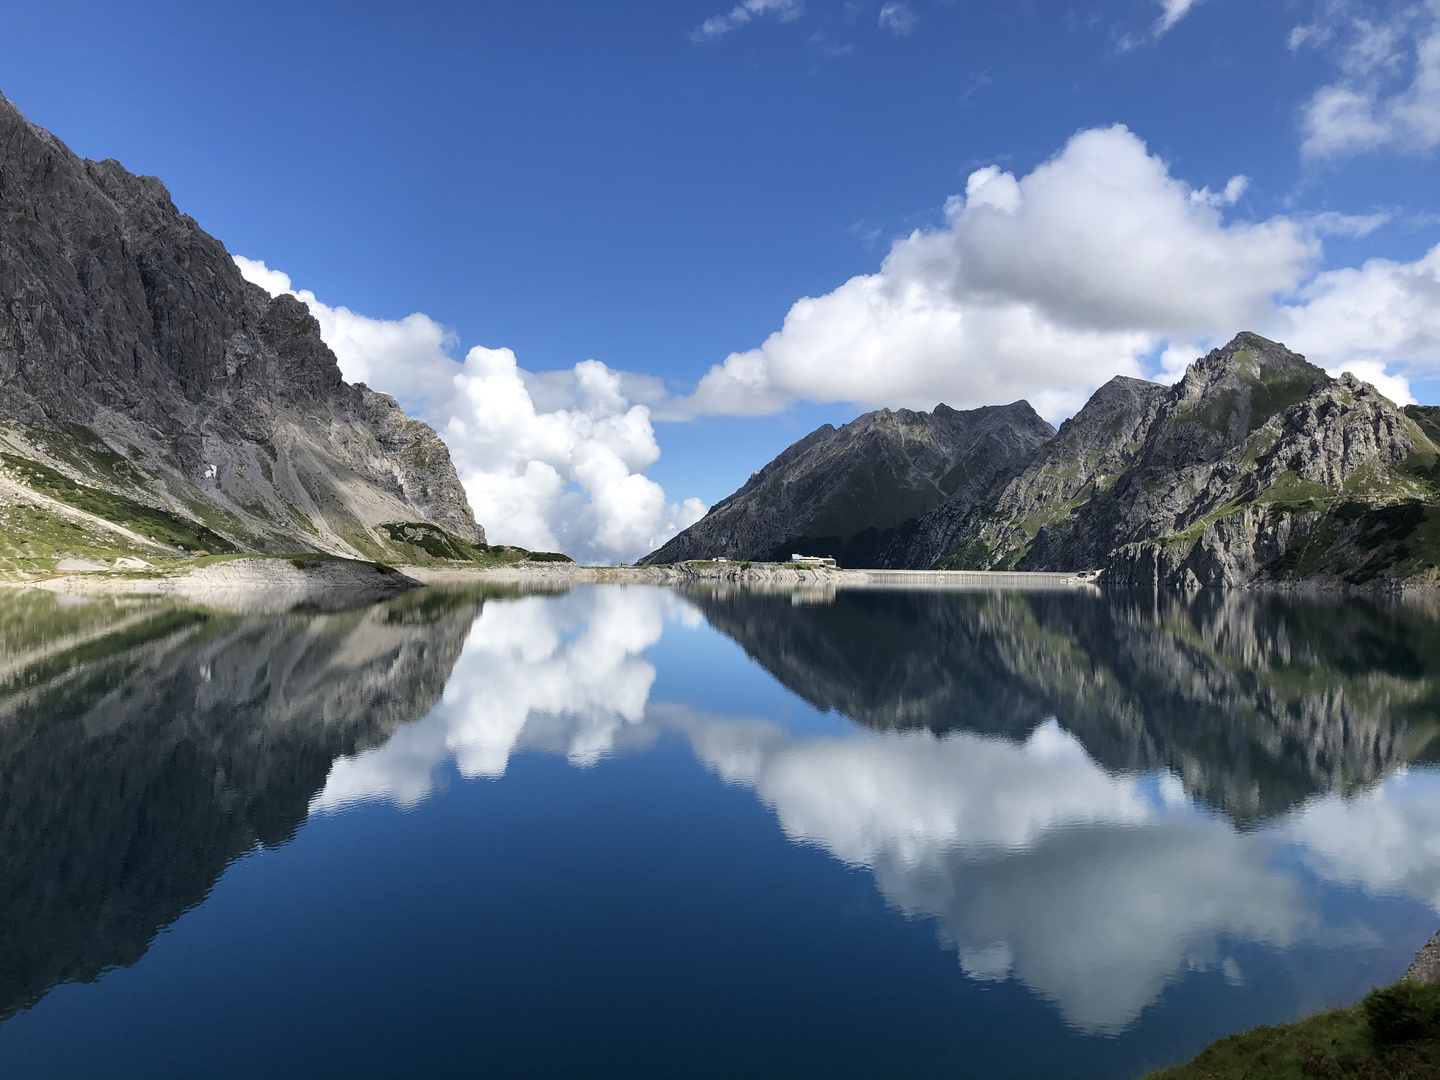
column 1255, row 701
column 144, row 745
column 1029, row 580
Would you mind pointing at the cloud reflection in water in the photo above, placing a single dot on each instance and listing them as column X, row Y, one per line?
column 1094, row 889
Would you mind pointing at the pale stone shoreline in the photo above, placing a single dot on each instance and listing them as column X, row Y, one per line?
column 271, row 581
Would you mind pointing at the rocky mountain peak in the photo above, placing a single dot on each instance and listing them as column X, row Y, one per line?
column 141, row 373
column 1227, row 394
column 854, row 492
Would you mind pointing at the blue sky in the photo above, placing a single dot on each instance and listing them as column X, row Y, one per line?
column 574, row 181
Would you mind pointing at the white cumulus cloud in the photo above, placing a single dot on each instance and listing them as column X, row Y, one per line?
column 1388, row 93
column 1371, row 320
column 1041, row 286
column 564, row 473
column 1099, row 262
column 719, row 25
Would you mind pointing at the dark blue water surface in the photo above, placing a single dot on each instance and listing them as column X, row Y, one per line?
column 636, row 832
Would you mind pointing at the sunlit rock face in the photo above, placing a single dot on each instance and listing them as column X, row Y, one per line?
column 143, row 746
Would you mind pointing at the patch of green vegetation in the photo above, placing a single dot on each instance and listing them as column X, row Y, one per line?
column 975, row 555
column 1033, row 523
column 1258, row 445
column 222, row 522
column 434, row 541
column 1193, row 533
column 36, row 537
column 211, row 560
column 418, row 458
column 702, row 563
column 159, row 525
column 1427, row 419
column 1291, row 493
column 308, row 560
column 1272, row 396
column 501, row 555
column 1394, row 1034
column 1423, row 464
column 424, row 541
column 81, row 447
column 1215, row 414
column 347, row 526
column 1359, row 542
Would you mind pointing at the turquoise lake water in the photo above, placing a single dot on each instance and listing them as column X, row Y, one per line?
column 638, row 832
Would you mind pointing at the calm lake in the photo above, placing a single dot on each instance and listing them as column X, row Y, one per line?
column 637, row 832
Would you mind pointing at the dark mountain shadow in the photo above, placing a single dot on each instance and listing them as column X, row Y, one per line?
column 1256, row 701
column 145, row 745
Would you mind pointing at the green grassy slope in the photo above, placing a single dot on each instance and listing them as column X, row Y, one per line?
column 1394, row 1034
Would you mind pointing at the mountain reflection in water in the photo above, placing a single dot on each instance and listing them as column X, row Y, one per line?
column 1090, row 794
column 143, row 746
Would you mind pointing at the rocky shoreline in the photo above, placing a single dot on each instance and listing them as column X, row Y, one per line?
column 1426, row 967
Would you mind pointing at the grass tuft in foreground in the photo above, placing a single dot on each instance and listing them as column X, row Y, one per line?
column 1394, row 1034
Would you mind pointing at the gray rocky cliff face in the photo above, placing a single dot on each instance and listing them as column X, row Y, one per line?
column 135, row 359
column 855, row 494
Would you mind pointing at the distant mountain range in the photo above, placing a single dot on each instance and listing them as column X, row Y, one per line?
column 153, row 402
column 1255, row 466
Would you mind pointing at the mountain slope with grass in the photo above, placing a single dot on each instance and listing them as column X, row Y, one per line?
column 154, row 403
column 1256, row 466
